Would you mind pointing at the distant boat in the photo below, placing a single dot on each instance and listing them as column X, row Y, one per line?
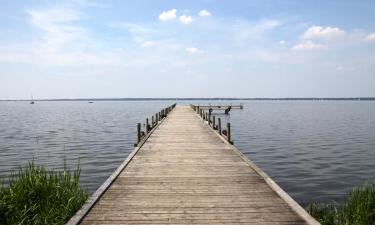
column 90, row 102
column 32, row 100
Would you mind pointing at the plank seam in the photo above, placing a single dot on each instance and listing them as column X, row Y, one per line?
column 301, row 212
column 90, row 203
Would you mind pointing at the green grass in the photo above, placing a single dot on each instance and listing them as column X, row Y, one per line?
column 357, row 209
column 37, row 196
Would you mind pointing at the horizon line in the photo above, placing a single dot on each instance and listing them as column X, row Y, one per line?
column 195, row 98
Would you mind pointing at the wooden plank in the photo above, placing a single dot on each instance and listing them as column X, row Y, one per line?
column 185, row 173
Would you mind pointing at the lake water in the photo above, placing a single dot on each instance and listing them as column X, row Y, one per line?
column 315, row 150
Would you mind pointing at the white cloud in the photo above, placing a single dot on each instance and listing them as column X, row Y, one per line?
column 57, row 26
column 307, row 45
column 61, row 43
column 194, row 50
column 186, row 19
column 89, row 3
column 168, row 15
column 204, row 13
column 243, row 30
column 148, row 44
column 327, row 33
column 370, row 37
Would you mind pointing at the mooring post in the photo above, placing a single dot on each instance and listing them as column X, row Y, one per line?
column 209, row 117
column 206, row 116
column 213, row 122
column 228, row 133
column 138, row 133
column 147, row 126
column 219, row 125
column 152, row 121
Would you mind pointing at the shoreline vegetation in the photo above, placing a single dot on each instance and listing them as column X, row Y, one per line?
column 39, row 196
column 357, row 209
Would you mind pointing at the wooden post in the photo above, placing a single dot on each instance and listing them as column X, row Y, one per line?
column 213, row 122
column 228, row 133
column 147, row 126
column 138, row 133
column 219, row 125
column 152, row 121
column 206, row 116
column 157, row 118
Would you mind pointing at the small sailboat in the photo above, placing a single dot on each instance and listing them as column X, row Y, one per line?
column 32, row 100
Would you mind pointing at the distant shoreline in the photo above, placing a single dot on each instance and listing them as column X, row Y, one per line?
column 204, row 99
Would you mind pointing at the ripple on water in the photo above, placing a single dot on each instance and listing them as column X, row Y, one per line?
column 316, row 151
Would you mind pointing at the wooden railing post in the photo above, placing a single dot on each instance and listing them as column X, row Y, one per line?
column 228, row 133
column 152, row 121
column 147, row 126
column 213, row 122
column 138, row 133
column 156, row 118
column 219, row 125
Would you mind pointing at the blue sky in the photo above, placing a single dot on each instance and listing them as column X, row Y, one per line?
column 208, row 48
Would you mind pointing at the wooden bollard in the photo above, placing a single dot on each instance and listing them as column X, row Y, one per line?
column 152, row 121
column 213, row 122
column 206, row 116
column 138, row 133
column 228, row 133
column 219, row 125
column 147, row 126
column 157, row 118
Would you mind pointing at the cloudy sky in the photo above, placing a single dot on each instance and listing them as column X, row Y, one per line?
column 207, row 48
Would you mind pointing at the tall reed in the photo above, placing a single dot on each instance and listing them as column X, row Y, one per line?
column 37, row 196
column 357, row 209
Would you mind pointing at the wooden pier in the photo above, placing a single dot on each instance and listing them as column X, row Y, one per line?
column 218, row 107
column 184, row 172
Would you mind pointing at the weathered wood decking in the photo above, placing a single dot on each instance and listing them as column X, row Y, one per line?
column 184, row 173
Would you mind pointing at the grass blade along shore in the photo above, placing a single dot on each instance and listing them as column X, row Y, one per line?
column 37, row 196
column 357, row 209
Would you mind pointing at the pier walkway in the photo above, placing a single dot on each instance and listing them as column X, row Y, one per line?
column 185, row 173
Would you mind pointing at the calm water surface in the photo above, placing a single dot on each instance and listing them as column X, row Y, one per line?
column 316, row 151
